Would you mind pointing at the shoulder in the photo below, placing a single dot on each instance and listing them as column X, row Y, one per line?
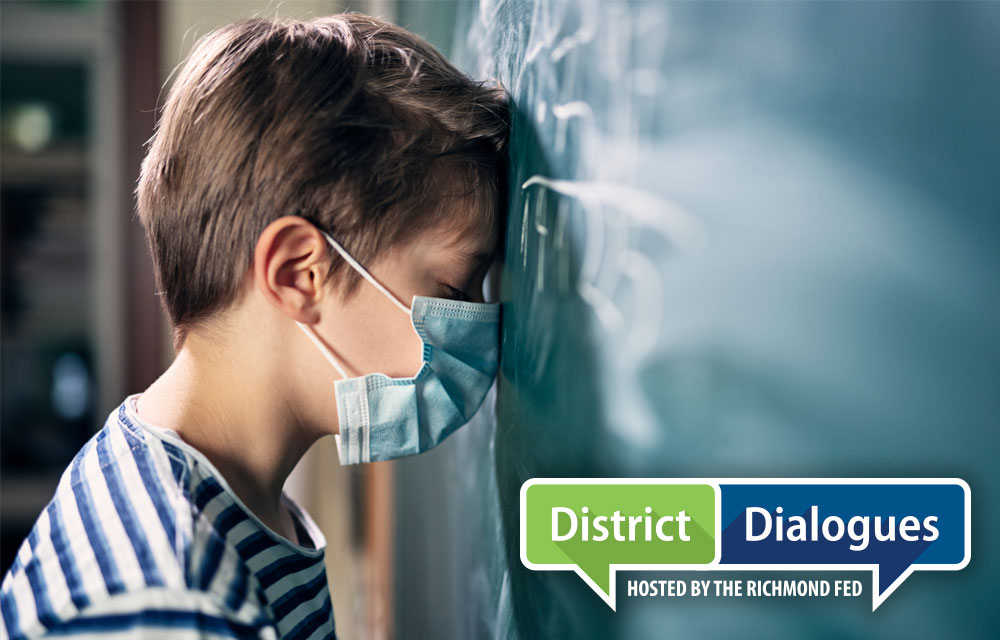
column 122, row 530
column 153, row 612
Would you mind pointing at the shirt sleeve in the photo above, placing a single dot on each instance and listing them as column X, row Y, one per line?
column 163, row 613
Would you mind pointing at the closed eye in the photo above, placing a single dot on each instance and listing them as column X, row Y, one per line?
column 456, row 294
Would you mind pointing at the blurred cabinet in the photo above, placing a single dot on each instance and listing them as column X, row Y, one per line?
column 61, row 244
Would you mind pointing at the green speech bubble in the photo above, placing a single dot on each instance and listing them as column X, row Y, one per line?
column 595, row 527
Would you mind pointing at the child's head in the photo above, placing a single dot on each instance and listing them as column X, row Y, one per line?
column 348, row 123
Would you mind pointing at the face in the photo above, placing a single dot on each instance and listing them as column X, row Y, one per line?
column 369, row 333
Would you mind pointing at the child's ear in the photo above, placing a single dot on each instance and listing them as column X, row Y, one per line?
column 290, row 266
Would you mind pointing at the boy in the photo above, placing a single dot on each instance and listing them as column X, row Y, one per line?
column 309, row 185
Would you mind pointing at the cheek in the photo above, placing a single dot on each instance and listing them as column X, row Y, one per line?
column 373, row 336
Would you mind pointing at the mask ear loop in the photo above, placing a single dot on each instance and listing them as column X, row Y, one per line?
column 357, row 266
column 311, row 334
column 306, row 329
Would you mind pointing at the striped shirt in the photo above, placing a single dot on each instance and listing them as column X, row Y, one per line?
column 144, row 538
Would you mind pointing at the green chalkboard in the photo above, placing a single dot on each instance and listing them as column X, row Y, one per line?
column 744, row 239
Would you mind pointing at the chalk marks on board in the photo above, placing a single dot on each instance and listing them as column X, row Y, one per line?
column 610, row 217
column 591, row 226
column 563, row 112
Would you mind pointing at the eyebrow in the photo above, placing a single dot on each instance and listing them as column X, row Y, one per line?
column 475, row 257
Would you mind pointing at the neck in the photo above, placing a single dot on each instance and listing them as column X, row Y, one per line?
column 226, row 405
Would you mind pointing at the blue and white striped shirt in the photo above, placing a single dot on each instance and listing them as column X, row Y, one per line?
column 144, row 538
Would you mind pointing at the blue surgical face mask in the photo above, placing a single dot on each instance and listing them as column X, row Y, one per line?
column 383, row 418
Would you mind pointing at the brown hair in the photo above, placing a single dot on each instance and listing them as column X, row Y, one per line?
column 349, row 121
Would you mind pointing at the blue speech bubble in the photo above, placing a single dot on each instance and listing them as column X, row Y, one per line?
column 891, row 526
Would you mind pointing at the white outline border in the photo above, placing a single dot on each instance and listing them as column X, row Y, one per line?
column 610, row 599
